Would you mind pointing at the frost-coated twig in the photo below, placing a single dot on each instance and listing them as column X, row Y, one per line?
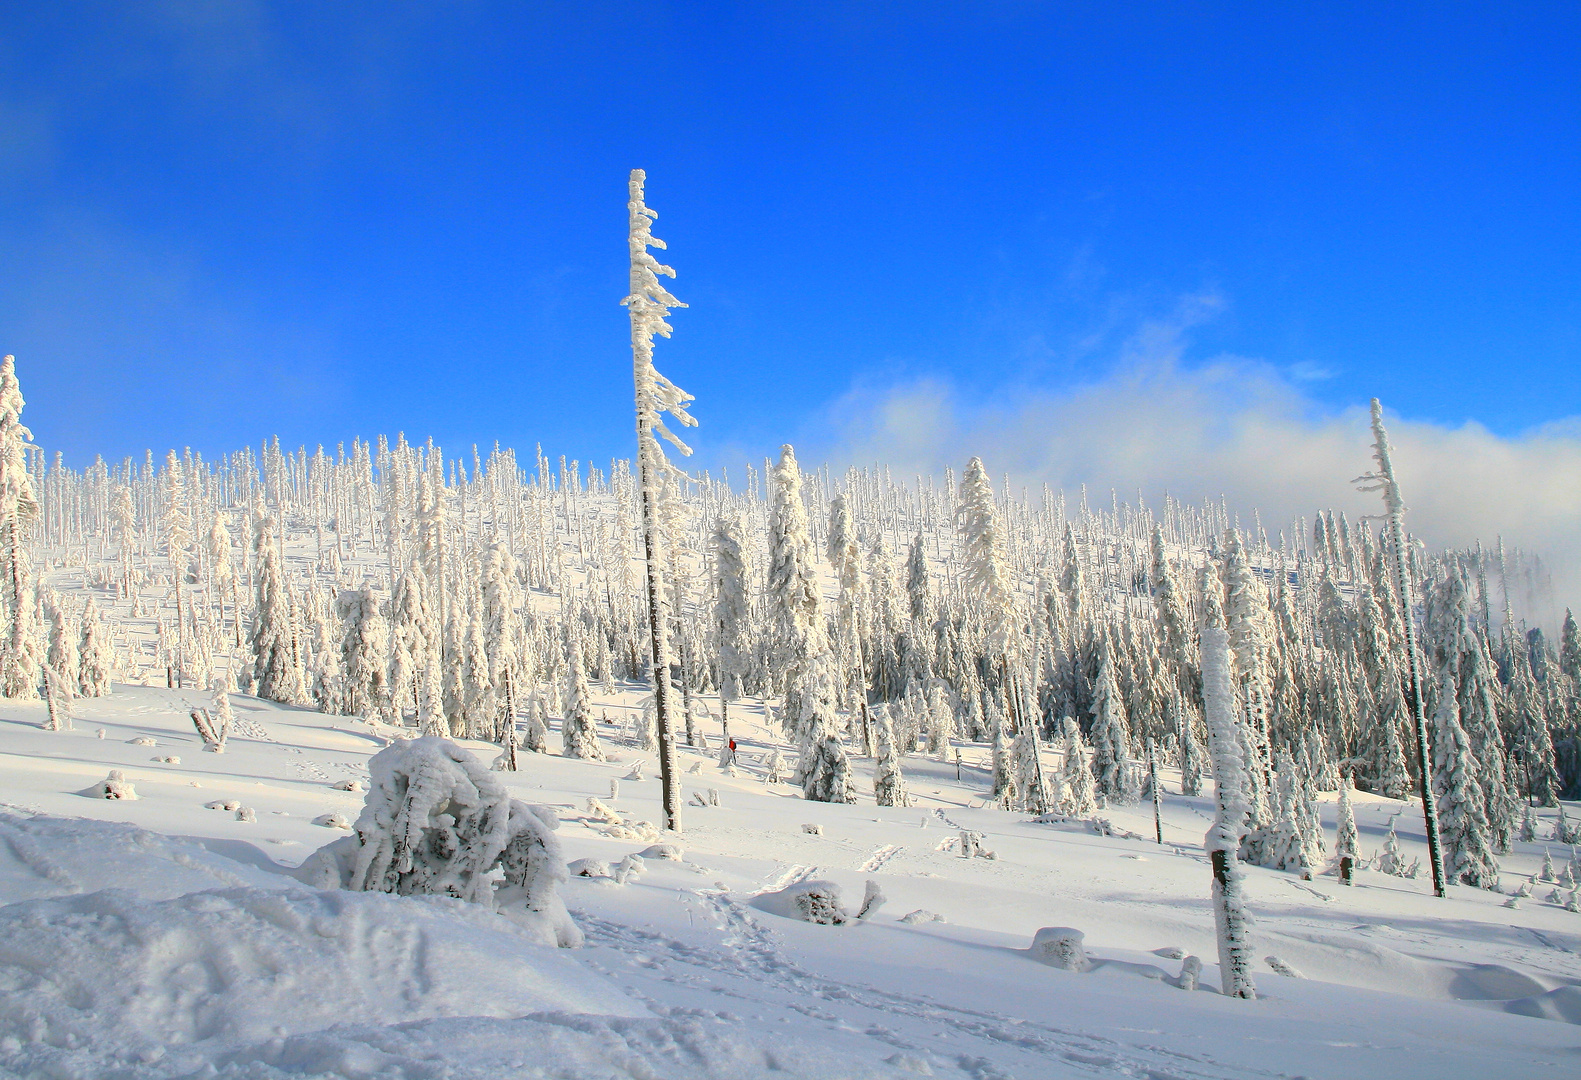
column 1383, row 481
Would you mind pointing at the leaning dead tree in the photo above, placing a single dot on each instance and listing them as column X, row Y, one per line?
column 1394, row 506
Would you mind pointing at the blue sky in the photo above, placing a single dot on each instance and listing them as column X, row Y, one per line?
column 222, row 221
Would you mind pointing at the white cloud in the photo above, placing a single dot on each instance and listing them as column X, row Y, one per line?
column 1239, row 428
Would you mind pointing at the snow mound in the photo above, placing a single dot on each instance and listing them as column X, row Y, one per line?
column 89, row 982
column 114, row 786
column 42, row 857
column 1563, row 1004
column 810, row 901
column 1060, row 947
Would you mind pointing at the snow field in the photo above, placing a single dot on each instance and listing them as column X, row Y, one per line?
column 160, row 938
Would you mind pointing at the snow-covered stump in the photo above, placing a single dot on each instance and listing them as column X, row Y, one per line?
column 1224, row 837
column 436, row 822
column 1060, row 947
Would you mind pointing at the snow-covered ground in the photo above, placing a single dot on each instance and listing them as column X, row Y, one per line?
column 164, row 938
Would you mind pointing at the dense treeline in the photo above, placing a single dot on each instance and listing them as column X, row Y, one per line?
column 476, row 597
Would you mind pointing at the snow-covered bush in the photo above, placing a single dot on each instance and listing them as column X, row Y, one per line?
column 1061, row 947
column 810, row 901
column 114, row 786
column 437, row 822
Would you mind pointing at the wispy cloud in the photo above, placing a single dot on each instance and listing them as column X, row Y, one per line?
column 1238, row 428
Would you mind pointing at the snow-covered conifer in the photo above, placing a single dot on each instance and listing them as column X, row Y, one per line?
column 1347, row 845
column 803, row 651
column 1193, row 759
column 1111, row 734
column 1078, row 792
column 504, row 634
column 1175, row 635
column 61, row 656
column 578, row 731
column 732, row 615
column 19, row 508
column 276, row 671
column 364, row 641
column 95, row 660
column 889, row 785
column 1467, row 840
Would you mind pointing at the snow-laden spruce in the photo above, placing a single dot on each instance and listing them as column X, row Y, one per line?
column 804, row 653
column 437, row 822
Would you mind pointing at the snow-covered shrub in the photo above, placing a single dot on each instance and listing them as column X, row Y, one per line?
column 437, row 822
column 332, row 821
column 672, row 852
column 1190, row 973
column 810, row 901
column 214, row 723
column 591, row 868
column 921, row 915
column 1061, row 947
column 114, row 786
column 534, row 871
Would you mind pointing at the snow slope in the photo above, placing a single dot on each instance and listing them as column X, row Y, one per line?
column 161, row 938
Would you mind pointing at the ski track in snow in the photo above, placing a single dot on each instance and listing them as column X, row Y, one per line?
column 790, row 876
column 874, row 862
column 753, row 968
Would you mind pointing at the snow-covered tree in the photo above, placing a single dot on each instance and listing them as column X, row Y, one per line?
column 1078, row 792
column 1176, row 637
column 414, row 642
column 93, row 650
column 732, row 615
column 889, row 785
column 364, row 641
column 1224, row 836
column 1466, row 836
column 1463, row 655
column 1111, row 734
column 436, row 822
column 1193, row 759
column 276, row 671
column 19, row 508
column 803, row 651
column 1394, row 506
column 504, row 634
column 61, row 656
column 1347, row 845
column 578, row 731
column 985, row 573
column 649, row 304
